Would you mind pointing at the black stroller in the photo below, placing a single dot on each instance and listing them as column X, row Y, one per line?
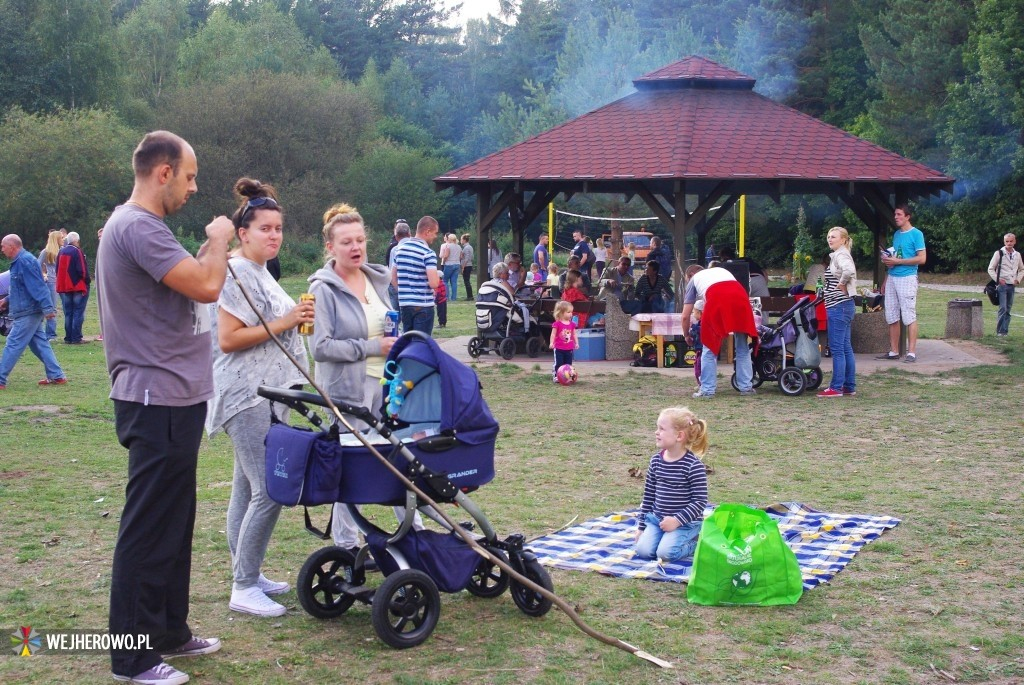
column 788, row 351
column 441, row 434
column 507, row 324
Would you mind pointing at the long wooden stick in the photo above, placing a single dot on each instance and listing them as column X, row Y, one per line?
column 462, row 532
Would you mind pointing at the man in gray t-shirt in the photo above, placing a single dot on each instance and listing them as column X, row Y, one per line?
column 156, row 335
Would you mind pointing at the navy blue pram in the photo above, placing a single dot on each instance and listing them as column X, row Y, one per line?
column 440, row 433
column 776, row 357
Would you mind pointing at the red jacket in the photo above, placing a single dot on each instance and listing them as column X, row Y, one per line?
column 726, row 310
column 72, row 271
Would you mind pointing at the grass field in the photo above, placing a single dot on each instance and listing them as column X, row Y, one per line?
column 940, row 593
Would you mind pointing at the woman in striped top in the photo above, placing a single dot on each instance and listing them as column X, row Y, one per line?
column 676, row 489
column 840, row 287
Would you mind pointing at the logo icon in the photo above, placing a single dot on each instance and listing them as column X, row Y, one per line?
column 280, row 470
column 26, row 641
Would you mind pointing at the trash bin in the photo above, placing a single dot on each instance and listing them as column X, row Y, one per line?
column 964, row 319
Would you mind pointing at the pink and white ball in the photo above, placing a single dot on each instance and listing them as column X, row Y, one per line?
column 566, row 374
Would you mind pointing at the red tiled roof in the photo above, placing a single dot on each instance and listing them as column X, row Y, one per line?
column 695, row 70
column 695, row 119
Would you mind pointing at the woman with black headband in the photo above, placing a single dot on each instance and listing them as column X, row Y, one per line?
column 244, row 358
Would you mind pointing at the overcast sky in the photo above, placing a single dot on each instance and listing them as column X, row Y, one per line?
column 474, row 9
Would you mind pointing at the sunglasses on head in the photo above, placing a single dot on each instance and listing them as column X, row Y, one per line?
column 257, row 203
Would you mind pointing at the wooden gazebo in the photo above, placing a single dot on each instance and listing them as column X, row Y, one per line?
column 694, row 129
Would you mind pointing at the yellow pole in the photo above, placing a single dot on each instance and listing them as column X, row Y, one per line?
column 743, row 225
column 551, row 228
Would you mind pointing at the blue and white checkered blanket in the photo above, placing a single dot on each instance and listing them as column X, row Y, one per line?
column 824, row 543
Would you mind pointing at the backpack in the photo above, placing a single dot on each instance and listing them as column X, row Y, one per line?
column 645, row 352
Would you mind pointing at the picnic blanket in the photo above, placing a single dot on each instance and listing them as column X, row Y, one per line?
column 824, row 544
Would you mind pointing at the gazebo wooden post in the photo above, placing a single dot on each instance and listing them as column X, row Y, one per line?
column 483, row 235
column 679, row 243
column 515, row 218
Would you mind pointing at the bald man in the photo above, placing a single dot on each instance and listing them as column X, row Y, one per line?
column 156, row 330
column 29, row 304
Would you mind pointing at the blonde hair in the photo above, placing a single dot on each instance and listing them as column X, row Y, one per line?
column 844, row 235
column 562, row 307
column 54, row 241
column 341, row 213
column 682, row 419
column 553, row 268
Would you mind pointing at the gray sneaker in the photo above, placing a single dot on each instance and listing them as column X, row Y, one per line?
column 702, row 395
column 161, row 674
column 194, row 647
column 748, row 392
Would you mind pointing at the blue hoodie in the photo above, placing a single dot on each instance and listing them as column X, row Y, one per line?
column 29, row 294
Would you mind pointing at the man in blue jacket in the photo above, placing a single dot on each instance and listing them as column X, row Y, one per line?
column 29, row 303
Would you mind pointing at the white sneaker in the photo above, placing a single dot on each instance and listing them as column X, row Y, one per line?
column 254, row 601
column 161, row 674
column 272, row 587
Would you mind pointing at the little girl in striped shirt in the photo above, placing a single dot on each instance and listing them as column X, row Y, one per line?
column 676, row 489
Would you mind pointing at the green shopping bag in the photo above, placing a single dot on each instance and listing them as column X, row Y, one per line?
column 741, row 559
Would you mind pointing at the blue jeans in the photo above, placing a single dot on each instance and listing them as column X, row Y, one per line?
column 451, row 280
column 418, row 319
column 27, row 331
column 844, row 366
column 51, row 324
column 744, row 367
column 654, row 543
column 74, row 315
column 393, row 297
column 1005, row 305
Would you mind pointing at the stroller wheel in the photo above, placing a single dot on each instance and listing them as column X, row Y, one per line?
column 489, row 579
column 531, row 602
column 507, row 348
column 732, row 381
column 758, row 379
column 814, row 377
column 405, row 608
column 320, row 582
column 534, row 346
column 791, row 381
column 475, row 347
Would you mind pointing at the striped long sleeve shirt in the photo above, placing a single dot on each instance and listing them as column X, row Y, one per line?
column 675, row 488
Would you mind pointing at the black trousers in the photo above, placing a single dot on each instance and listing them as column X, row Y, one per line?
column 149, row 584
column 467, row 271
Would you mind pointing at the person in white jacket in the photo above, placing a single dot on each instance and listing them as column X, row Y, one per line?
column 1007, row 273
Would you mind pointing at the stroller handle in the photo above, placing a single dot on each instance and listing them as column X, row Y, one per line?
column 296, row 399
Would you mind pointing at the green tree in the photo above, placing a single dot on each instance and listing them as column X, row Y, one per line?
column 916, row 54
column 150, row 38
column 69, row 168
column 267, row 40
column 391, row 181
column 75, row 45
column 299, row 133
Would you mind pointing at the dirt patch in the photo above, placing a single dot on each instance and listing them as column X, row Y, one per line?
column 983, row 353
column 12, row 475
column 45, row 408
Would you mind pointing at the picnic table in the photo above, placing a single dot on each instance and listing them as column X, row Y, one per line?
column 658, row 325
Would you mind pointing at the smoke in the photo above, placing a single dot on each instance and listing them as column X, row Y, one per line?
column 768, row 42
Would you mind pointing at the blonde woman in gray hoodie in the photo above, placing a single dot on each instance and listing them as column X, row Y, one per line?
column 348, row 342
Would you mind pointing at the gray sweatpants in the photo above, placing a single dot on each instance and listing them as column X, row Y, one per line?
column 343, row 527
column 252, row 515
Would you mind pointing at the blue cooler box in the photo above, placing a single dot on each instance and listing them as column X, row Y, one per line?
column 591, row 345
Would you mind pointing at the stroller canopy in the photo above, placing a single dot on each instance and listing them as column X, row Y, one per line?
column 444, row 390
